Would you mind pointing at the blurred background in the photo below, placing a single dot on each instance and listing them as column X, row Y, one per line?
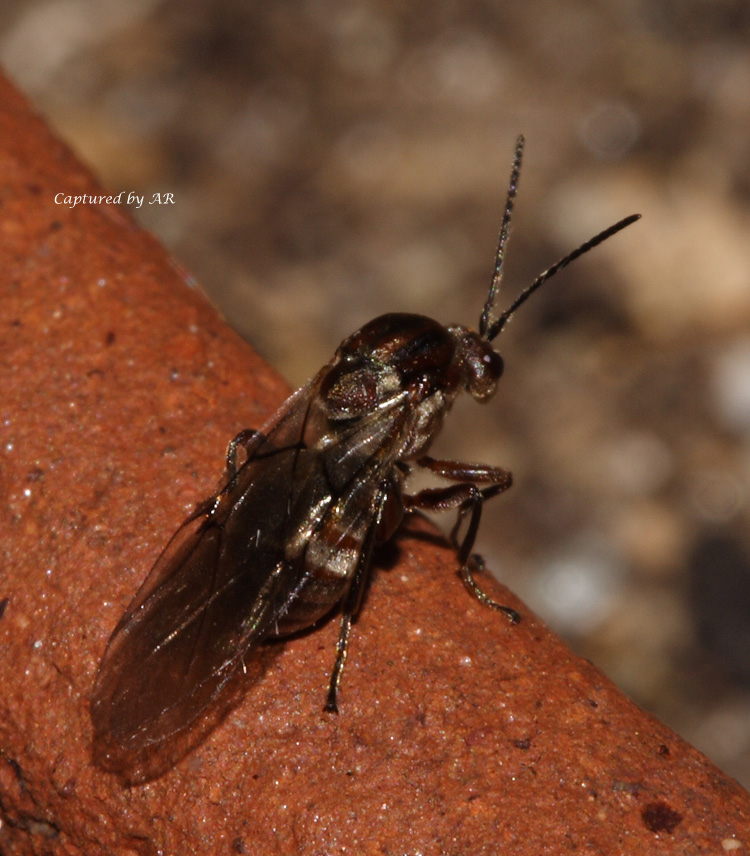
column 332, row 161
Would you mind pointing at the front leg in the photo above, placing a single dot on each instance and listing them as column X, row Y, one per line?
column 462, row 472
column 468, row 499
column 249, row 439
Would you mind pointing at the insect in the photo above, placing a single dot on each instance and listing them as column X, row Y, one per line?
column 290, row 533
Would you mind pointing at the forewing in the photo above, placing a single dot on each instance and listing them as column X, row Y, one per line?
column 213, row 594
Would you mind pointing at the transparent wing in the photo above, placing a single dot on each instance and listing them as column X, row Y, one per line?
column 211, row 595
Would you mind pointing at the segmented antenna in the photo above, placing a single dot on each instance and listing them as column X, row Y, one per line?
column 484, row 320
column 489, row 329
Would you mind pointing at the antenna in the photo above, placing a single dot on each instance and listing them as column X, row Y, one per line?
column 488, row 329
column 515, row 173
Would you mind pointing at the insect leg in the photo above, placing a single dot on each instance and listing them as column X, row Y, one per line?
column 338, row 667
column 465, row 497
column 461, row 472
column 248, row 439
column 468, row 499
column 352, row 602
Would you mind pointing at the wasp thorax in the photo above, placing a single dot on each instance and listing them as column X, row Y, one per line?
column 481, row 364
column 396, row 353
